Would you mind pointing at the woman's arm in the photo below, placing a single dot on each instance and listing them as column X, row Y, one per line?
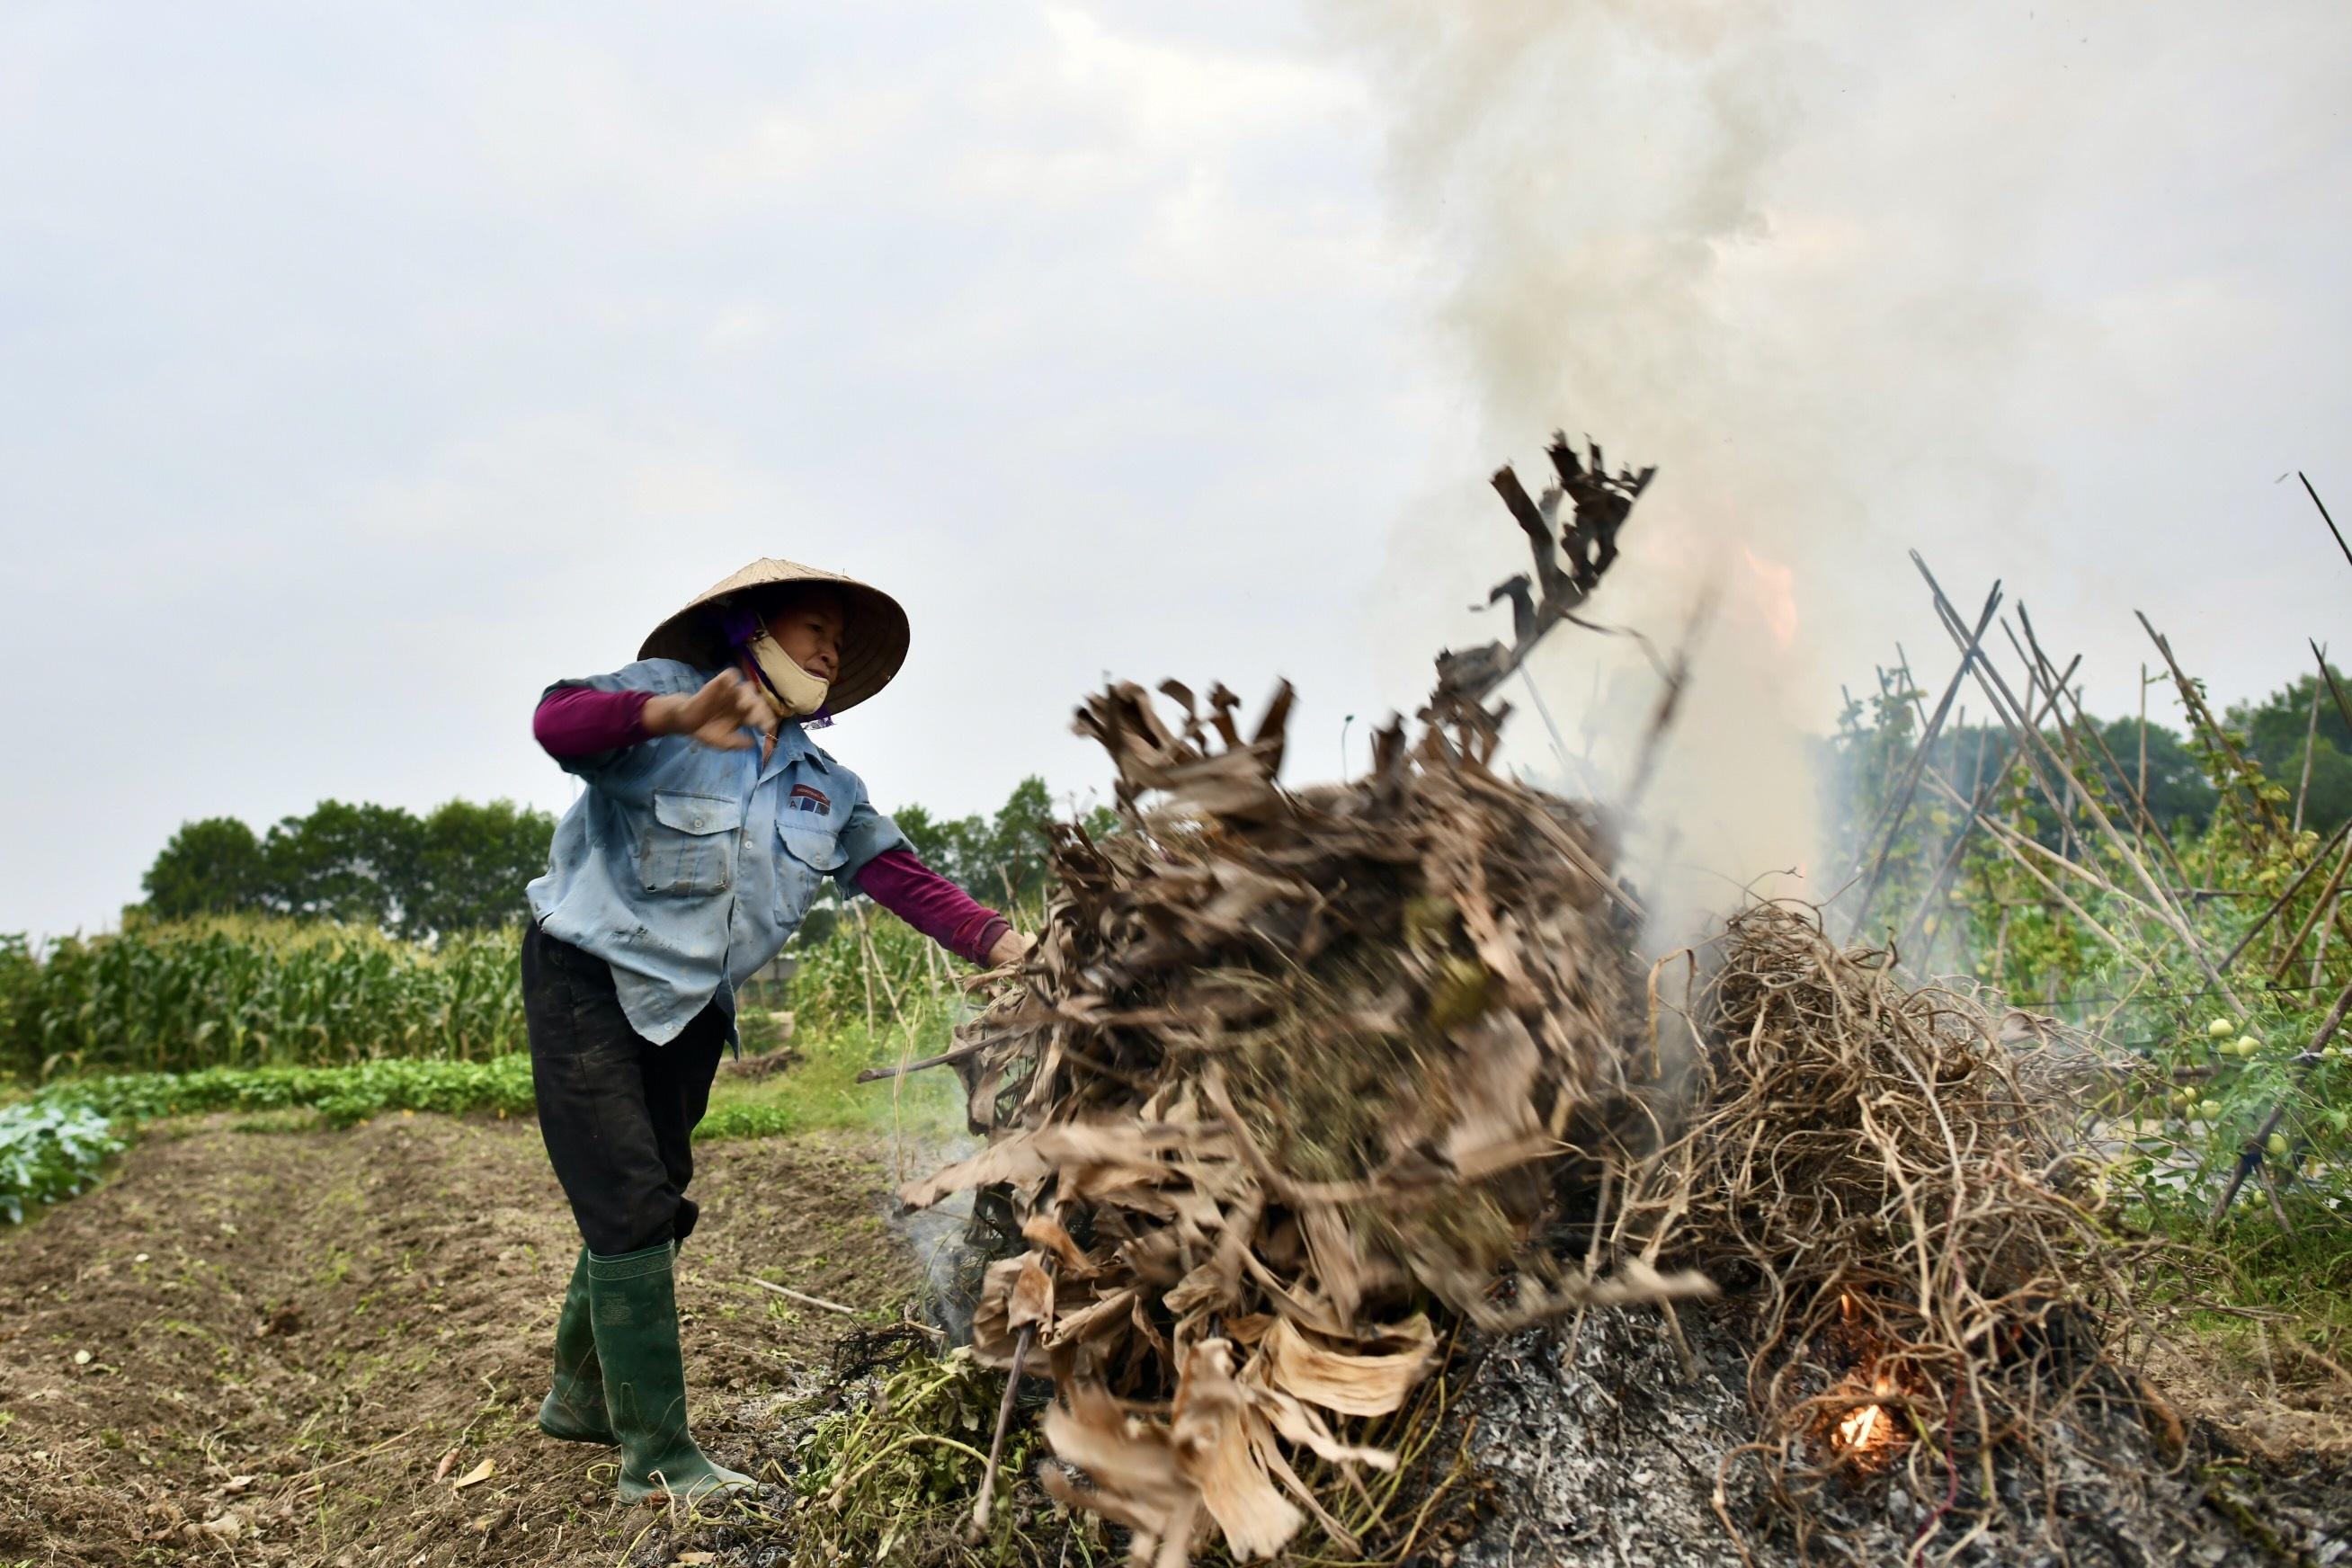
column 579, row 721
column 902, row 884
column 574, row 721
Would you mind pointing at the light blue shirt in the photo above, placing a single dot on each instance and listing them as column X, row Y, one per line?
column 687, row 868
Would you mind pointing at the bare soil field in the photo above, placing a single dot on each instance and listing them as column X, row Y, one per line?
column 259, row 1344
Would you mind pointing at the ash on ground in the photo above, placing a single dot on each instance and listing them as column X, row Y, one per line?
column 1593, row 1447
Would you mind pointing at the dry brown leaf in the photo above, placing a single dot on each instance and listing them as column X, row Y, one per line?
column 1214, row 1450
column 1024, row 1157
column 1042, row 1232
column 1351, row 1384
column 1030, row 1303
column 480, row 1473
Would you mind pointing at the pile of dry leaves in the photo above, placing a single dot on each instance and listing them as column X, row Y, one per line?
column 1287, row 1071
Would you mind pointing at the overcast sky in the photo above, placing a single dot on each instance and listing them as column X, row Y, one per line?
column 364, row 368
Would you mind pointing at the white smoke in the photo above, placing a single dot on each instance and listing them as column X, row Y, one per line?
column 1603, row 193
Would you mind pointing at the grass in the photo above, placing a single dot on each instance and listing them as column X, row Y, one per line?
column 821, row 1090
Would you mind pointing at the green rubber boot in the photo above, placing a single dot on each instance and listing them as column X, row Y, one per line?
column 633, row 1303
column 573, row 1409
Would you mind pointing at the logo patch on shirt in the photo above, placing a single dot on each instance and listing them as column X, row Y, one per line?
column 808, row 797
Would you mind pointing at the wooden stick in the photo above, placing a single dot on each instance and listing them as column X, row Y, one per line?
column 1997, row 689
column 2319, row 955
column 987, row 1500
column 2343, row 712
column 2005, row 705
column 1980, row 797
column 2283, row 898
column 804, row 1298
column 1899, row 806
column 2083, row 724
column 2318, row 909
column 2001, row 836
column 2323, row 515
column 971, row 1048
column 2199, row 713
column 2143, row 730
column 2310, row 735
column 2069, row 768
column 2250, row 1158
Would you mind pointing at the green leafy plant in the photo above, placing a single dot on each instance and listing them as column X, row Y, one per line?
column 49, row 1152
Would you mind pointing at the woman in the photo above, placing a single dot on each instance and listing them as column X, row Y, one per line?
column 708, row 821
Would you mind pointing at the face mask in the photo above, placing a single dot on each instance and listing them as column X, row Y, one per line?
column 790, row 691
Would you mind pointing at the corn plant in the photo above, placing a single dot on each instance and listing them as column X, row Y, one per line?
column 244, row 992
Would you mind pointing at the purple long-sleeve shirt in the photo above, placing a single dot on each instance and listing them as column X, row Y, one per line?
column 575, row 721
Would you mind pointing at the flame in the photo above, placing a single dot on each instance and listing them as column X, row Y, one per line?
column 1863, row 1432
column 1865, row 1436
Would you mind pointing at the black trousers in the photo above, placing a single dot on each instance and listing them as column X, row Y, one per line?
column 617, row 1110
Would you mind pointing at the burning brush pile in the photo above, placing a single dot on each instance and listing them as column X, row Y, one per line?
column 1301, row 1089
column 1290, row 1073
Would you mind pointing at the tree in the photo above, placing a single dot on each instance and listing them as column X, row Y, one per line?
column 2179, row 797
column 343, row 862
column 211, row 866
column 2274, row 731
column 985, row 855
column 472, row 862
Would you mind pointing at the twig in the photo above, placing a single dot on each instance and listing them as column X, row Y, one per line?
column 987, row 1499
column 2008, row 840
column 2281, row 901
column 2027, row 736
column 803, row 1296
column 2323, row 515
column 1899, row 805
column 970, row 1049
column 2250, row 1158
column 2318, row 909
column 2202, row 715
column 2343, row 710
column 2310, row 736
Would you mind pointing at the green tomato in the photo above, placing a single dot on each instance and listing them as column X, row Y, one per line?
column 2219, row 1028
column 2248, row 1045
column 2277, row 1144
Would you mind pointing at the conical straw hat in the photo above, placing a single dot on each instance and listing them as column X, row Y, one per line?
column 873, row 630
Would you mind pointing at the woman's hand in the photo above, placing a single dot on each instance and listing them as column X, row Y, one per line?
column 1011, row 948
column 715, row 716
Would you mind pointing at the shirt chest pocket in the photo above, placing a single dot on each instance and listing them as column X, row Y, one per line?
column 811, row 853
column 689, row 847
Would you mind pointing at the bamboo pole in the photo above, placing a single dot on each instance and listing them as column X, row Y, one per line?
column 2250, row 1157
column 2323, row 515
column 2139, row 796
column 2038, row 669
column 2310, row 737
column 2318, row 909
column 2334, row 691
column 2002, row 835
column 2281, row 901
column 2319, row 955
column 1899, row 805
column 2032, row 737
column 2200, row 713
column 1980, row 798
column 2143, row 730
